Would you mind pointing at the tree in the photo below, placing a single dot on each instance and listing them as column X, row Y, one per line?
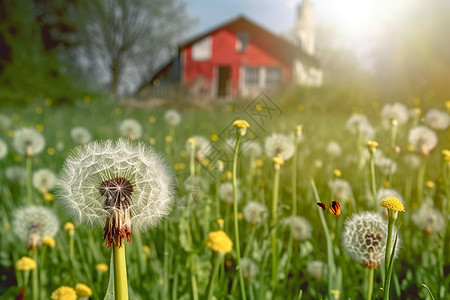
column 123, row 39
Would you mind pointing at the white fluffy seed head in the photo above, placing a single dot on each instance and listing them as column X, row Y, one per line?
column 429, row 219
column 255, row 213
column 130, row 128
column 279, row 145
column 226, row 193
column 333, row 149
column 412, row 161
column 437, row 119
column 364, row 238
column 201, row 147
column 249, row 268
column 3, row 149
column 396, row 111
column 253, row 149
column 44, row 180
column 317, row 269
column 172, row 117
column 359, row 125
column 34, row 218
column 80, row 135
column 386, row 165
column 341, row 189
column 300, row 227
column 28, row 142
column 91, row 164
column 16, row 174
column 422, row 139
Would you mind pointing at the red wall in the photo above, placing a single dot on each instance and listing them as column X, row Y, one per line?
column 224, row 54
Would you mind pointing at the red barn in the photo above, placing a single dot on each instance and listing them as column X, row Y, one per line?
column 238, row 58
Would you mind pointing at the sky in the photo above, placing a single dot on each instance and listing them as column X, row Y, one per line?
column 356, row 22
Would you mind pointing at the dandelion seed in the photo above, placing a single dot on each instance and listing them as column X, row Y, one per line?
column 429, row 220
column 422, row 139
column 219, row 241
column 255, row 213
column 279, row 145
column 32, row 223
column 437, row 119
column 64, row 293
column 80, row 135
column 364, row 238
column 172, row 117
column 25, row 263
column 131, row 129
column 117, row 185
column 28, row 142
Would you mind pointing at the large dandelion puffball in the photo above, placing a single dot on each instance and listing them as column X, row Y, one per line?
column 279, row 145
column 34, row 219
column 437, row 119
column 44, row 179
column 422, row 139
column 28, row 142
column 364, row 238
column 91, row 165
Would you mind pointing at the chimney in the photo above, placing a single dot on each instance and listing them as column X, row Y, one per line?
column 305, row 26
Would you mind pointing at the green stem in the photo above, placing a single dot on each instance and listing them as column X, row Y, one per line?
column 370, row 284
column 192, row 159
column 193, row 278
column 120, row 273
column 388, row 243
column 29, row 190
column 373, row 179
column 212, row 279
column 235, row 215
column 294, row 178
column 166, row 261
column 393, row 136
column 35, row 279
column 420, row 178
column 276, row 184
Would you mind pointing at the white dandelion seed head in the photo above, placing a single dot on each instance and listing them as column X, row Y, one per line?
column 317, row 269
column 300, row 227
column 396, row 111
column 279, row 145
column 3, row 149
column 437, row 119
column 422, row 139
column 359, row 125
column 34, row 219
column 255, row 213
column 92, row 164
column 364, row 238
column 253, row 149
column 44, row 180
column 16, row 174
column 80, row 135
column 249, row 268
column 5, row 122
column 28, row 142
column 201, row 147
column 130, row 128
column 172, row 117
column 386, row 165
column 412, row 161
column 226, row 192
column 341, row 189
column 429, row 220
column 333, row 149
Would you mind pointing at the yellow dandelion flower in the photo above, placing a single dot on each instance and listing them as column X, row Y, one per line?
column 430, row 184
column 49, row 197
column 51, row 151
column 372, row 144
column 64, row 293
column 169, row 138
column 49, row 241
column 393, row 204
column 447, row 103
column 38, row 110
column 102, row 267
column 278, row 161
column 151, row 119
column 69, row 226
column 220, row 222
column 219, row 241
column 39, row 127
column 48, row 101
column 416, row 101
column 25, row 264
column 152, row 141
column 229, row 108
column 118, row 111
column 87, row 99
column 214, row 137
column 446, row 154
column 183, row 153
column 191, row 141
column 335, row 294
column 83, row 290
column 241, row 124
column 337, row 172
column 259, row 163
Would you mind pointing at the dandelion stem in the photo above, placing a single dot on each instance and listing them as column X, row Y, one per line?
column 388, row 243
column 372, row 178
column 192, row 159
column 420, row 178
column 235, row 213
column 193, row 278
column 294, row 178
column 212, row 280
column 276, row 184
column 35, row 279
column 370, row 284
column 29, row 190
column 120, row 273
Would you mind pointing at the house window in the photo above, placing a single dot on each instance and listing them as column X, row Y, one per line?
column 241, row 41
column 273, row 76
column 251, row 77
column 201, row 50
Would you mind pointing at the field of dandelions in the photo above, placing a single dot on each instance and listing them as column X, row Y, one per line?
column 200, row 218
